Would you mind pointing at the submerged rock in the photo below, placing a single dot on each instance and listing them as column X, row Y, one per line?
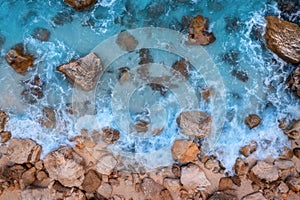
column 83, row 72
column 283, row 38
column 126, row 41
column 110, row 135
column 193, row 177
column 33, row 90
column 23, row 150
column 294, row 81
column 3, row 120
column 248, row 149
column 289, row 9
column 145, row 56
column 233, row 24
column 239, row 74
column 65, row 166
column 182, row 66
column 80, row 4
column 194, row 123
column 252, row 121
column 18, row 59
column 264, row 172
column 198, row 32
column 49, row 119
column 41, row 34
column 294, row 131
column 62, row 18
column 185, row 151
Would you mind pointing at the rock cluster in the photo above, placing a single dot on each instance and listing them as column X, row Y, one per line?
column 80, row 4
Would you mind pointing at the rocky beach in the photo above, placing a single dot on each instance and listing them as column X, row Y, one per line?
column 67, row 131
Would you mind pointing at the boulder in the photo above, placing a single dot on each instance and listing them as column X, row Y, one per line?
column 3, row 120
column 182, row 67
column 41, row 34
column 91, row 181
column 296, row 152
column 254, row 196
column 106, row 164
column 193, row 177
column 185, row 151
column 264, row 172
column 110, row 135
column 23, row 150
column 18, row 59
column 65, row 166
column 223, row 196
column 105, row 190
column 283, row 38
column 5, row 136
column 126, row 41
column 151, row 189
column 49, row 119
column 198, row 32
column 240, row 167
column 252, row 120
column 28, row 177
column 225, row 183
column 248, row 149
column 83, row 72
column 80, row 4
column 194, row 123
column 293, row 183
column 294, row 81
column 294, row 131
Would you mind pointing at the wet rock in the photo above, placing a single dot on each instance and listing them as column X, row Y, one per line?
column 205, row 94
column 293, row 183
column 124, row 75
column 264, row 172
column 28, row 177
column 5, row 136
column 198, row 32
column 106, row 164
column 23, row 150
column 126, row 41
column 110, row 135
column 286, row 154
column 150, row 188
column 182, row 66
column 41, row 34
column 91, row 181
column 62, row 18
column 49, row 119
column 2, row 40
column 65, row 166
column 192, row 177
column 3, row 120
column 223, row 196
column 18, row 59
column 159, row 87
column 289, row 9
column 33, row 89
column 80, row 4
column 241, row 75
column 233, row 24
column 185, row 151
column 296, row 152
column 282, row 37
column 212, row 164
column 254, row 196
column 105, row 190
column 240, row 167
column 155, row 10
column 294, row 81
column 225, row 183
column 145, row 56
column 248, row 149
column 141, row 126
column 83, row 72
column 252, row 120
column 194, row 123
column 294, row 131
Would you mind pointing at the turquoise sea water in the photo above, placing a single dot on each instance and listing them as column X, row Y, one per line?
column 239, row 53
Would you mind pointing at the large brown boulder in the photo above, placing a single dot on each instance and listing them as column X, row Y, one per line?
column 185, row 151
column 283, row 38
column 194, row 123
column 18, row 59
column 198, row 32
column 264, row 172
column 23, row 150
column 252, row 121
column 65, row 166
column 91, row 181
column 80, row 4
column 192, row 177
column 83, row 72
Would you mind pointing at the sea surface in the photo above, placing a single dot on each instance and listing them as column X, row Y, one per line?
column 252, row 77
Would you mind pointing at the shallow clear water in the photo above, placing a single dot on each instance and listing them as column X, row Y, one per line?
column 74, row 34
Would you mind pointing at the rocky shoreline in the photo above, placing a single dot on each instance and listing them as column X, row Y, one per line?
column 88, row 171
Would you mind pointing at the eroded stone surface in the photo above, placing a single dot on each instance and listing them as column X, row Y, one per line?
column 23, row 150
column 283, row 38
column 192, row 177
column 185, row 151
column 194, row 123
column 83, row 72
column 65, row 166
